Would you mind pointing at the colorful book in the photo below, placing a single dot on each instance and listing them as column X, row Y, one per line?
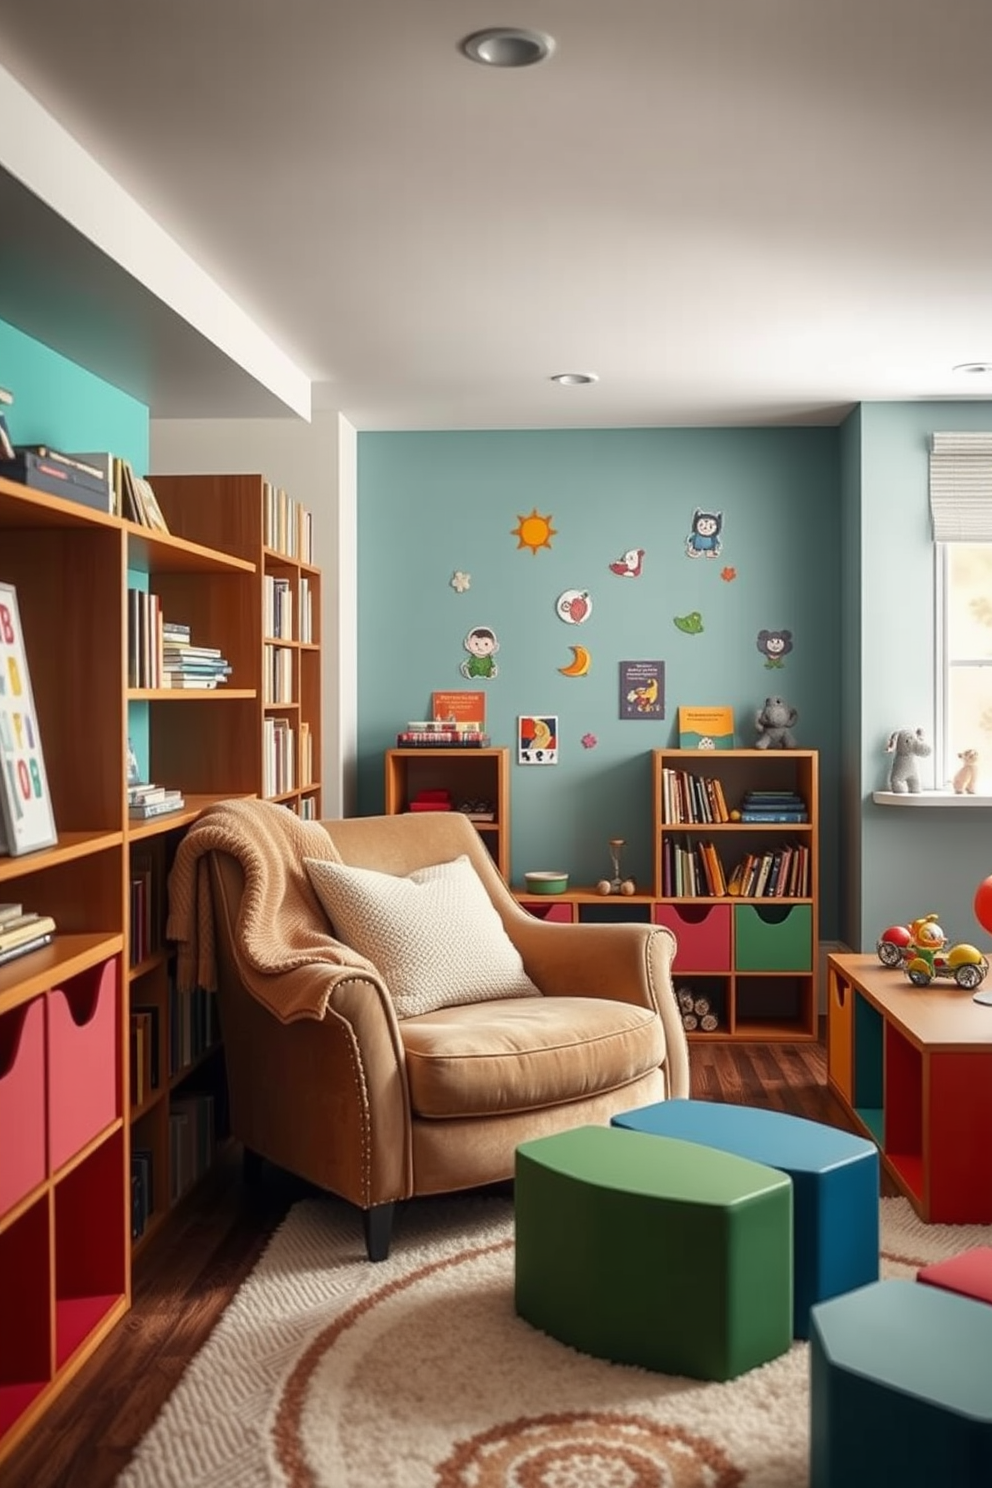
column 706, row 728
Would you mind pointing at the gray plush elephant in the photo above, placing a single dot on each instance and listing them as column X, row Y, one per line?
column 907, row 745
column 774, row 723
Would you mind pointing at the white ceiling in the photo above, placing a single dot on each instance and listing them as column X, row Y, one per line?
column 733, row 211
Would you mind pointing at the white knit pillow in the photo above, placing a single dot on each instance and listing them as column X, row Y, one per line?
column 435, row 936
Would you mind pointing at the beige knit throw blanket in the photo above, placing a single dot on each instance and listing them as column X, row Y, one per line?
column 287, row 956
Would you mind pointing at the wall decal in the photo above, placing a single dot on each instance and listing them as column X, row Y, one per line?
column 691, row 624
column 704, row 540
column 534, row 531
column 642, row 689
column 579, row 665
column 589, row 741
column 774, row 646
column 629, row 564
column 728, row 575
column 461, row 582
column 537, row 740
column 481, row 645
column 573, row 606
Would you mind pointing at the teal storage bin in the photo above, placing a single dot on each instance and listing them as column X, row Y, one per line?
column 773, row 937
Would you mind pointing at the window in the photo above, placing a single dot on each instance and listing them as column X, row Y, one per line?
column 964, row 653
column 961, row 508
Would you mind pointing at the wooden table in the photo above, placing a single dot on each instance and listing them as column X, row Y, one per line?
column 913, row 1067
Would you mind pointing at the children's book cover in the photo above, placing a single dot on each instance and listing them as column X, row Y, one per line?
column 706, row 728
column 642, row 689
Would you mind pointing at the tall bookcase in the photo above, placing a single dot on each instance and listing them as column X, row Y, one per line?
column 247, row 516
column 470, row 775
column 82, row 1126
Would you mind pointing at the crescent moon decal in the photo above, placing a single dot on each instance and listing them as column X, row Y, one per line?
column 579, row 665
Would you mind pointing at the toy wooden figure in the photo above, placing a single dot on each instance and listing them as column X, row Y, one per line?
column 966, row 778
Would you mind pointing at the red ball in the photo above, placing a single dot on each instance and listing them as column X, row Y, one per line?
column 983, row 904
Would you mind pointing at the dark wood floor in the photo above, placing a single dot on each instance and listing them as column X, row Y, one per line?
column 184, row 1281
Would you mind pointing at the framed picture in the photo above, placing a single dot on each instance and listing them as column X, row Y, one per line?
column 537, row 740
column 26, row 821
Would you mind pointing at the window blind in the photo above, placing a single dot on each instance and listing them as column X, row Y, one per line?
column 961, row 487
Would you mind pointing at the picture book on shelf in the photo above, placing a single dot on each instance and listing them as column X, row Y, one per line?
column 706, row 728
column 26, row 820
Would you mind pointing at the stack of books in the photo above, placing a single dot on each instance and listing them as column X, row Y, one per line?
column 443, row 734
column 432, row 800
column 148, row 800
column 21, row 933
column 186, row 665
column 57, row 474
column 773, row 806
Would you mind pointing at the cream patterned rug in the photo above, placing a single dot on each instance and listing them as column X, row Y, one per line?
column 328, row 1372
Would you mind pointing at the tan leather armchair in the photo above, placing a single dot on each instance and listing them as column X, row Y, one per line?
column 379, row 1109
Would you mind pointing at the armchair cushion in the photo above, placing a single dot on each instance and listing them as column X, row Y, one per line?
column 527, row 1054
column 434, row 935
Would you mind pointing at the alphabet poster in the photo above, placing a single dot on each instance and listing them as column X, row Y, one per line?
column 26, row 820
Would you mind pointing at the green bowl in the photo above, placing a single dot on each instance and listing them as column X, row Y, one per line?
column 546, row 883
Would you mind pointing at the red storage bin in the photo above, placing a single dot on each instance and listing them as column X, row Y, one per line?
column 22, row 1102
column 83, row 1075
column 703, row 934
column 557, row 914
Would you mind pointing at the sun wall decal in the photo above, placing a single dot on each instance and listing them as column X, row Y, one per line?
column 534, row 531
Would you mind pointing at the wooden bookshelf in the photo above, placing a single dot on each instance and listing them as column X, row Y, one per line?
column 469, row 774
column 68, row 1125
column 248, row 518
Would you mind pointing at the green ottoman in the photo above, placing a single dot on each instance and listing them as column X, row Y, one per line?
column 653, row 1251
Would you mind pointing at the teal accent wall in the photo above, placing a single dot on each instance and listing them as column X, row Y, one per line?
column 433, row 503
column 912, row 860
column 59, row 403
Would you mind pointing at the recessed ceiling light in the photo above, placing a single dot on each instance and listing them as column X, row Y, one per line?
column 574, row 379
column 975, row 368
column 508, row 46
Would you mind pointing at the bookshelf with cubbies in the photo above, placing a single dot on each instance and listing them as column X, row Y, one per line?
column 739, row 888
column 85, row 1098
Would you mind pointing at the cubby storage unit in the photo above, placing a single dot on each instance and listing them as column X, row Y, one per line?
column 913, row 1067
column 70, row 1121
column 469, row 775
column 758, row 950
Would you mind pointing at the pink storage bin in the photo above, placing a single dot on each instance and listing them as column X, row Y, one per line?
column 22, row 1102
column 83, row 1075
column 703, row 934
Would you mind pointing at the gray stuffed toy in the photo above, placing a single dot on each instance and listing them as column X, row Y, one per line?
column 907, row 745
column 774, row 724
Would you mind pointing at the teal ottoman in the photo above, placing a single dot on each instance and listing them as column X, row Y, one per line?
column 900, row 1389
column 650, row 1251
column 834, row 1186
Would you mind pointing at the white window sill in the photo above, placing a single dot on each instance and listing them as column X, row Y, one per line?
column 928, row 798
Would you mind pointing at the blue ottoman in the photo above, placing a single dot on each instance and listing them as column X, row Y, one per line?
column 899, row 1389
column 834, row 1178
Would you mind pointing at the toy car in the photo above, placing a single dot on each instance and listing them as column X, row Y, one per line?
column 922, row 956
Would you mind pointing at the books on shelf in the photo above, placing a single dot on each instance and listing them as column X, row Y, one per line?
column 56, row 474
column 432, row 734
column 690, row 798
column 22, row 933
column 773, row 806
column 144, row 808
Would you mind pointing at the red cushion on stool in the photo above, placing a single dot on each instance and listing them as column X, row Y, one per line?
column 969, row 1273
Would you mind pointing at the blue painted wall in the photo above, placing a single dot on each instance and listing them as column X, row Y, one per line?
column 912, row 860
column 433, row 503
column 59, row 403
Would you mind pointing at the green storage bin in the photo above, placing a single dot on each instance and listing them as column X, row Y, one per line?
column 773, row 937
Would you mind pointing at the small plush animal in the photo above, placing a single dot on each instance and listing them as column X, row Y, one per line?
column 966, row 777
column 907, row 745
column 774, row 723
